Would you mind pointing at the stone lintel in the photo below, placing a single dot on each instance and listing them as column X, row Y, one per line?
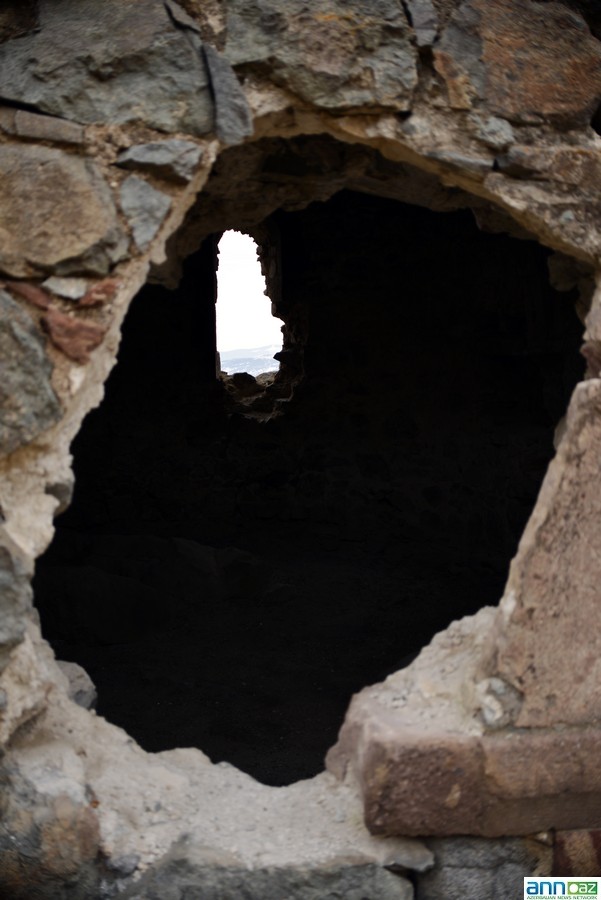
column 506, row 783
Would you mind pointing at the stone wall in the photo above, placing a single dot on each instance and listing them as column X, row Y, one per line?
column 115, row 117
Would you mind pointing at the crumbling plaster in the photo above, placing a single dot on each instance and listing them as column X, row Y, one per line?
column 432, row 99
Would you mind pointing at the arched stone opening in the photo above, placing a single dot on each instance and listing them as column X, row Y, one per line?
column 250, row 562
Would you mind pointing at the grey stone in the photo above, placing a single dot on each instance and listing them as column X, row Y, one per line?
column 117, row 61
column 124, row 865
column 493, row 131
column 58, row 213
column 145, row 209
column 81, row 687
column 15, row 596
column 69, row 288
column 28, row 404
column 233, row 118
column 476, row 165
column 480, row 869
column 424, row 20
column 192, row 873
column 173, row 159
column 329, row 53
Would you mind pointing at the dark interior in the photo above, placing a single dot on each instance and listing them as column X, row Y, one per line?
column 228, row 577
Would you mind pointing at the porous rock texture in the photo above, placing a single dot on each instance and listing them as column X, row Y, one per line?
column 493, row 731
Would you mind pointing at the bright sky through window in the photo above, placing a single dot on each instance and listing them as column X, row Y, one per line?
column 244, row 319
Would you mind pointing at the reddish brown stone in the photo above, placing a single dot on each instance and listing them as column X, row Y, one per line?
column 100, row 293
column 577, row 853
column 528, row 62
column 432, row 779
column 421, row 785
column 541, row 62
column 30, row 292
column 74, row 337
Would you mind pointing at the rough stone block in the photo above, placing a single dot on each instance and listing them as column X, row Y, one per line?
column 494, row 53
column 577, row 853
column 117, row 61
column 76, row 338
column 145, row 209
column 194, row 873
column 330, row 54
column 477, row 869
column 427, row 766
column 59, row 832
column 233, row 118
column 424, row 21
column 175, row 160
column 40, row 128
column 28, row 404
column 15, row 595
column 58, row 212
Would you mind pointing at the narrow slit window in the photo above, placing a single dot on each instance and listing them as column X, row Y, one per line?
column 247, row 333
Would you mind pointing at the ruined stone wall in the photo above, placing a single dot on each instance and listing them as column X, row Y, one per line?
column 114, row 117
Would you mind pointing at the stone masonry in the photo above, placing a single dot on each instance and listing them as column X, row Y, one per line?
column 113, row 116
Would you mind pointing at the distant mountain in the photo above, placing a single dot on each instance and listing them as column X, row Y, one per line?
column 255, row 360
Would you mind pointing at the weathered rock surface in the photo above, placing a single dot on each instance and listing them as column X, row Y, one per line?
column 174, row 159
column 554, row 563
column 424, row 21
column 15, row 597
column 28, row 403
column 427, row 765
column 75, row 231
column 233, row 118
column 111, row 62
column 331, row 54
column 493, row 53
column 482, row 870
column 75, row 337
column 145, row 209
column 24, row 124
column 191, row 872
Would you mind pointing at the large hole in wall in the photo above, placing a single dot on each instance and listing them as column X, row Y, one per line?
column 229, row 575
